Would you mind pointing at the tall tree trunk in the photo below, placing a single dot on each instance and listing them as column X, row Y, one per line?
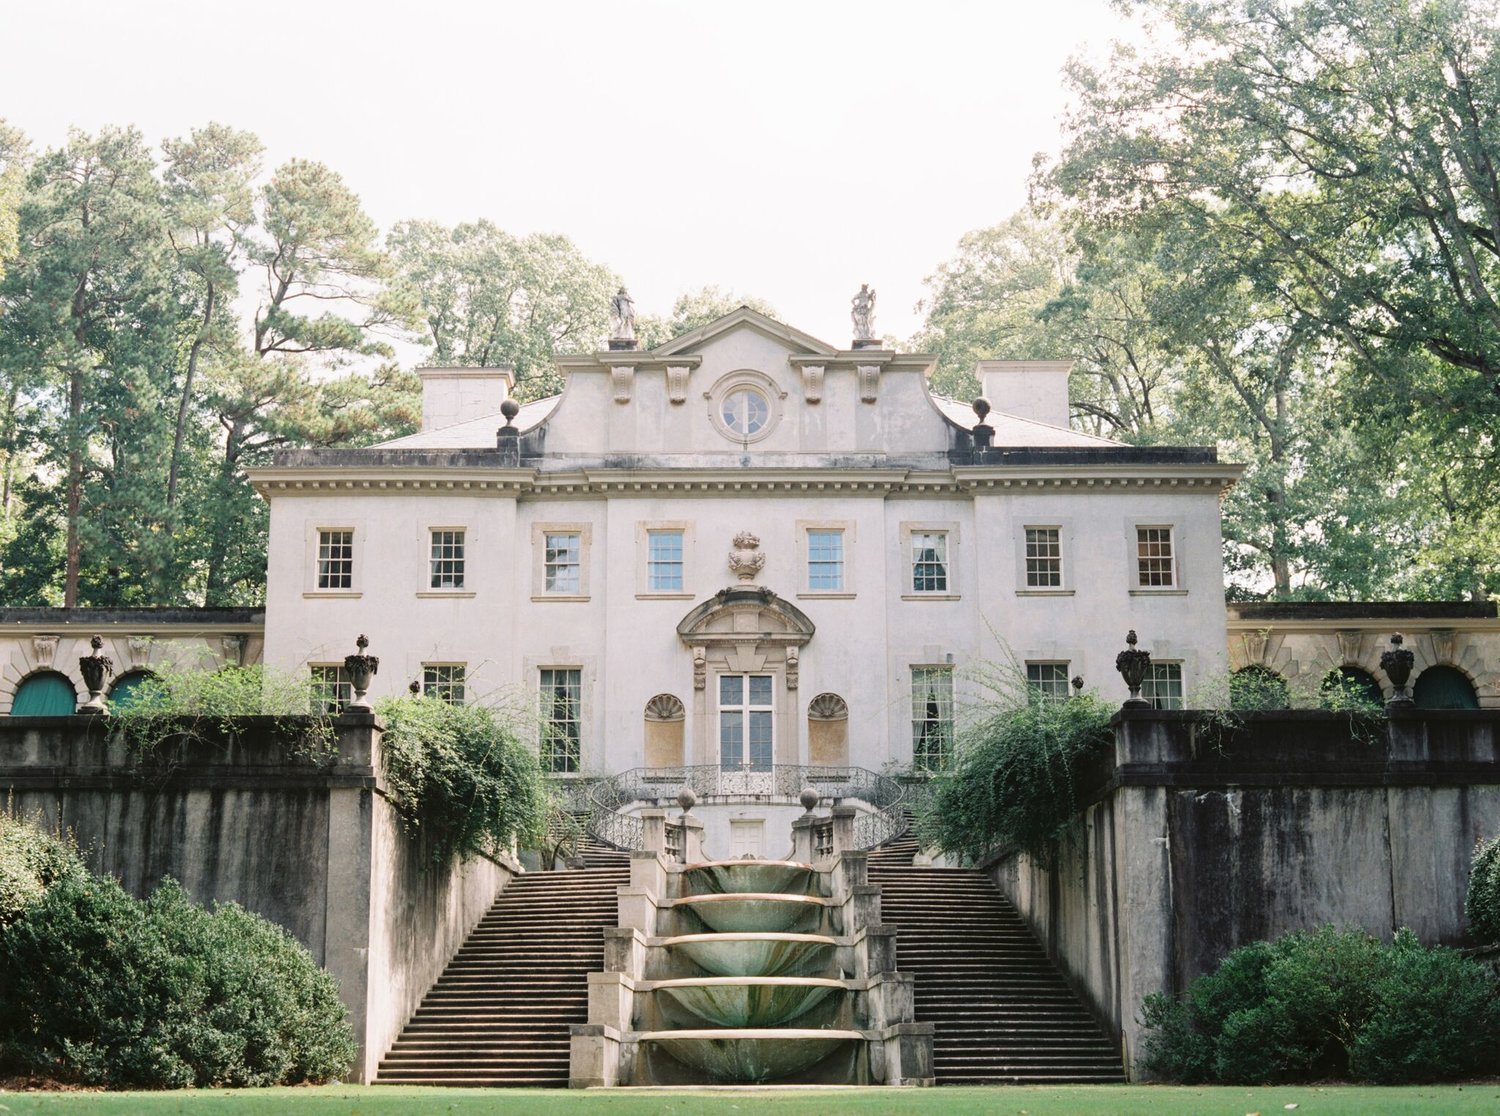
column 10, row 450
column 213, row 587
column 187, row 394
column 75, row 486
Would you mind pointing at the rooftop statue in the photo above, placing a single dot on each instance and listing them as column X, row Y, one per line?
column 863, row 313
column 622, row 317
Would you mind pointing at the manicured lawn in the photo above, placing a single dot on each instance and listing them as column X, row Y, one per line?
column 1144, row 1100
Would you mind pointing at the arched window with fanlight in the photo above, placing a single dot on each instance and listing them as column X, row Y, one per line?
column 827, row 731
column 44, row 694
column 1444, row 687
column 665, row 719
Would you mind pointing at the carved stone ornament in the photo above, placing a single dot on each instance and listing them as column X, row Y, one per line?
column 793, row 669
column 1133, row 663
column 1348, row 645
column 43, row 650
column 700, row 667
column 828, row 707
column 139, row 649
column 665, row 707
column 1444, row 645
column 869, row 381
column 1254, row 644
column 95, row 668
column 677, row 381
column 1397, row 664
column 621, row 376
column 361, row 668
column 812, row 382
column 234, row 649
column 746, row 560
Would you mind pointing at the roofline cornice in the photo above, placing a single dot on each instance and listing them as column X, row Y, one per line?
column 1100, row 477
column 1407, row 625
column 639, row 359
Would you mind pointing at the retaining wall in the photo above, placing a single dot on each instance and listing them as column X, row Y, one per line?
column 1199, row 839
column 312, row 844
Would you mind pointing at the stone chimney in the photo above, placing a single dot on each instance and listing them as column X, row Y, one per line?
column 454, row 395
column 1033, row 389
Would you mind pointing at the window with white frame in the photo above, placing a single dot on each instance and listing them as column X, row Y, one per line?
column 825, row 560
column 444, row 681
column 331, row 689
column 931, row 717
column 562, row 568
column 447, row 559
column 335, row 559
column 1162, row 686
column 562, row 724
column 1155, row 558
column 929, row 561
column 1050, row 680
column 1043, row 558
column 664, row 561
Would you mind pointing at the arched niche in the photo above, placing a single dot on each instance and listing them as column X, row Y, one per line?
column 1348, row 687
column 665, row 720
column 123, row 692
column 46, row 693
column 1444, row 687
column 828, row 731
column 746, row 630
column 1257, row 687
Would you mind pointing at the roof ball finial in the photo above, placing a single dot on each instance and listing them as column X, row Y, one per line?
column 981, row 407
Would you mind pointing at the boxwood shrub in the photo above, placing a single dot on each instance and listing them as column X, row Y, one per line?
column 1482, row 904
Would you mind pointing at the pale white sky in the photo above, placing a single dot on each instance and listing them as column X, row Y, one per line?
column 789, row 149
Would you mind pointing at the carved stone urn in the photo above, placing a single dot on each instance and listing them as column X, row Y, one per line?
column 361, row 668
column 746, row 560
column 95, row 668
column 1397, row 664
column 1133, row 665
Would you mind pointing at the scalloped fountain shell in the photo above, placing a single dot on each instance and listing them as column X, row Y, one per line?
column 756, row 954
column 747, row 911
column 783, row 877
column 750, row 1055
column 749, row 1001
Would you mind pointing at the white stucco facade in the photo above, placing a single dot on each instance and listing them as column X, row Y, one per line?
column 842, row 443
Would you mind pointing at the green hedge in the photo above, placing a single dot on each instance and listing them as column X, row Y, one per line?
column 1482, row 904
column 31, row 861
column 101, row 988
column 1329, row 1004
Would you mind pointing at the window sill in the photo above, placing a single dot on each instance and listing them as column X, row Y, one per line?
column 931, row 596
column 334, row 594
column 825, row 595
column 664, row 596
column 1163, row 592
column 559, row 596
column 438, row 594
column 1045, row 592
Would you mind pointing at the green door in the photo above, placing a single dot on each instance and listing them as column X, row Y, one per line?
column 44, row 695
column 1443, row 687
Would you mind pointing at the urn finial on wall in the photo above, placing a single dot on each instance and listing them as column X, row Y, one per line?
column 746, row 560
column 361, row 668
column 95, row 668
column 1133, row 664
column 1397, row 664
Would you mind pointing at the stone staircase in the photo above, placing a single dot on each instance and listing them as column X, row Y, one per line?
column 1001, row 1012
column 500, row 1012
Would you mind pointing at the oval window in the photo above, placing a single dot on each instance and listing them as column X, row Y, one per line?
column 745, row 411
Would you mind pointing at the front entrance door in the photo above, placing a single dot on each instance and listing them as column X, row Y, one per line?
column 746, row 720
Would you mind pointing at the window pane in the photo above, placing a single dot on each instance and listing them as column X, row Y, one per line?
column 1154, row 555
column 1162, row 686
column 929, row 562
column 447, row 561
column 1048, row 679
column 561, row 728
column 931, row 716
column 444, row 681
column 664, row 561
column 731, row 689
column 331, row 689
column 825, row 560
column 1043, row 558
column 562, row 565
column 760, row 689
column 731, row 738
column 335, row 559
column 760, row 739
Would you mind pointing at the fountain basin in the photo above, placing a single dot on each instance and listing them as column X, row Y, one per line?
column 785, row 877
column 756, row 954
column 740, row 1001
column 750, row 1055
column 751, row 911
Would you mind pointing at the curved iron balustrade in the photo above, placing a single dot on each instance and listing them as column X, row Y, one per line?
column 605, row 798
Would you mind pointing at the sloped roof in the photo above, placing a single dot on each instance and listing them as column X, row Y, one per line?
column 1013, row 430
column 476, row 433
column 693, row 338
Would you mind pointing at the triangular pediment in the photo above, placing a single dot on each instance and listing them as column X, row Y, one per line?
column 744, row 318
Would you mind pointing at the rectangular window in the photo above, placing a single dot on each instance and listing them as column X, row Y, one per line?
column 561, row 569
column 444, row 681
column 1050, row 680
column 331, row 691
column 825, row 561
column 1162, row 687
column 746, row 720
column 929, row 561
column 335, row 559
column 664, row 561
column 931, row 717
column 1043, row 558
column 1154, row 557
column 447, row 560
column 562, row 730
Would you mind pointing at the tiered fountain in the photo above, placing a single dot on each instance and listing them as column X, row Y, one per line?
column 750, row 971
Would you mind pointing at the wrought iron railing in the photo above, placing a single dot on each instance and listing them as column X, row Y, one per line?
column 609, row 798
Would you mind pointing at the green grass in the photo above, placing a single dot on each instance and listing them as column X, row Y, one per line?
column 1082, row 1100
